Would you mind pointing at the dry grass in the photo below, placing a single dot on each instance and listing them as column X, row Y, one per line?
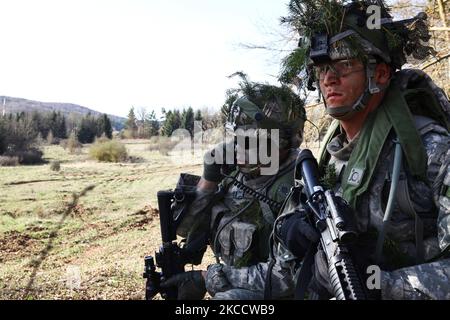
column 98, row 252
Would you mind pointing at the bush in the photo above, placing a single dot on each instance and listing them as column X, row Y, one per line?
column 30, row 156
column 55, row 165
column 9, row 161
column 102, row 139
column 162, row 144
column 109, row 151
column 72, row 144
column 56, row 141
column 50, row 137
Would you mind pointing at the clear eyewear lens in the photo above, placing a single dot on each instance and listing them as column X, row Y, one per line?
column 339, row 69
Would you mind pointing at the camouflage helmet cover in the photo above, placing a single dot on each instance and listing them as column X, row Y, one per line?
column 339, row 30
column 264, row 106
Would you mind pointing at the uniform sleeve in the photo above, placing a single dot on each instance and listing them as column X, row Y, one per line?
column 254, row 277
column 443, row 199
column 437, row 144
column 430, row 281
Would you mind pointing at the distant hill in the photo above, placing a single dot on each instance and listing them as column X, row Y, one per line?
column 13, row 105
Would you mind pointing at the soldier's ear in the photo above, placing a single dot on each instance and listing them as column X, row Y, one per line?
column 382, row 73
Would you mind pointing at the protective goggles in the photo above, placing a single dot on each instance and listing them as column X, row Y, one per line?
column 340, row 68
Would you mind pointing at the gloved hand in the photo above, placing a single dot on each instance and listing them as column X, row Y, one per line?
column 216, row 279
column 212, row 165
column 297, row 233
column 190, row 284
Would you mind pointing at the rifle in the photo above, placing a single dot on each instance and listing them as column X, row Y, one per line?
column 172, row 256
column 330, row 218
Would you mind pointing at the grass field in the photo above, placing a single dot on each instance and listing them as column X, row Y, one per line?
column 96, row 250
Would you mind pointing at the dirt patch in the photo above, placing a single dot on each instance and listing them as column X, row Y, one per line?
column 141, row 223
column 14, row 241
column 148, row 213
column 79, row 211
column 15, row 244
column 147, row 210
column 35, row 228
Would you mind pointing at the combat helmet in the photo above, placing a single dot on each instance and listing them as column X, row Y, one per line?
column 264, row 106
column 334, row 30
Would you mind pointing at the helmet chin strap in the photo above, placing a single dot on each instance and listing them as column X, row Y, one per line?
column 346, row 112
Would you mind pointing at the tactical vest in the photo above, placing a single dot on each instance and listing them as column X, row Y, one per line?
column 243, row 235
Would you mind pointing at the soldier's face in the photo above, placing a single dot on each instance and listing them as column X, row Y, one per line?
column 342, row 82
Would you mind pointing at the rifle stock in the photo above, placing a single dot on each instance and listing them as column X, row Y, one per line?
column 171, row 257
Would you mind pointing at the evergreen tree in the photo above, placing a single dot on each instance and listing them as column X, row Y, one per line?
column 107, row 129
column 62, row 128
column 153, row 124
column 104, row 126
column 88, row 129
column 57, row 124
column 198, row 116
column 168, row 124
column 187, row 120
column 100, row 124
column 130, row 124
column 176, row 120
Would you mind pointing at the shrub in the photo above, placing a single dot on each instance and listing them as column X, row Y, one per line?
column 55, row 165
column 128, row 134
column 72, row 144
column 108, row 151
column 29, row 156
column 56, row 141
column 50, row 137
column 9, row 161
column 39, row 140
column 102, row 139
column 163, row 144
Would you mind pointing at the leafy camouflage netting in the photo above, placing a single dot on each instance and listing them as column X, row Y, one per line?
column 278, row 103
column 399, row 39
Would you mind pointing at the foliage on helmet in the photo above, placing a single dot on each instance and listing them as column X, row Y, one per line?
column 264, row 106
column 331, row 17
column 278, row 105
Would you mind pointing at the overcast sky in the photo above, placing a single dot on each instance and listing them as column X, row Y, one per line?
column 110, row 55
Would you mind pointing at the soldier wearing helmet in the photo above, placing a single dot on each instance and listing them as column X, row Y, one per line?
column 238, row 200
column 382, row 113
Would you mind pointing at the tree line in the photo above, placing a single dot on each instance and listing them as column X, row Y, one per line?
column 22, row 131
column 142, row 124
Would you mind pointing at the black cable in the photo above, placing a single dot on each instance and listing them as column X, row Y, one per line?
column 259, row 196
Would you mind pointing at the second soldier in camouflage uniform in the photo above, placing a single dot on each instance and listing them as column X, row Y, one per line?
column 238, row 220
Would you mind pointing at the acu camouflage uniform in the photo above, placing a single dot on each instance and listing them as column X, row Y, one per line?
column 401, row 277
column 243, row 241
column 411, row 115
column 240, row 224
